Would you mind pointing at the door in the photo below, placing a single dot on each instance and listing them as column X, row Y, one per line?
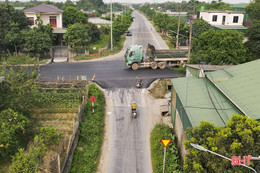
column 223, row 20
column 53, row 21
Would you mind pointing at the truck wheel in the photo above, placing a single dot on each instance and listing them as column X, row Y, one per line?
column 154, row 65
column 135, row 66
column 162, row 65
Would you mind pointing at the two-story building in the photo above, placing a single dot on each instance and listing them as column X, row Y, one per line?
column 47, row 13
column 219, row 20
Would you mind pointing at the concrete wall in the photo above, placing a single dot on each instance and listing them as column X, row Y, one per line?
column 46, row 18
column 181, row 136
column 178, row 127
column 229, row 18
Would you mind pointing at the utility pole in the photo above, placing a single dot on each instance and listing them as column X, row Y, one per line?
column 190, row 35
column 111, row 17
column 177, row 37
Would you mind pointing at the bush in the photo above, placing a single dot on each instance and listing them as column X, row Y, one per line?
column 91, row 135
column 30, row 161
column 12, row 129
column 172, row 163
column 23, row 59
column 49, row 136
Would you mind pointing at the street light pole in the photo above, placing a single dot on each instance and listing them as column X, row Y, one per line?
column 177, row 37
column 111, row 17
column 189, row 48
column 198, row 147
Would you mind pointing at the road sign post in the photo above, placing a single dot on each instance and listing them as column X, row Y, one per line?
column 93, row 99
column 165, row 144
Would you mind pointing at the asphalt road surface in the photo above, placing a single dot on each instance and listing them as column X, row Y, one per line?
column 111, row 72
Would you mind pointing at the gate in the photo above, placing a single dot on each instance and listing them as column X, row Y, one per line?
column 60, row 51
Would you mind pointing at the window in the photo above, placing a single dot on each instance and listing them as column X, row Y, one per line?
column 31, row 20
column 214, row 18
column 53, row 21
column 235, row 19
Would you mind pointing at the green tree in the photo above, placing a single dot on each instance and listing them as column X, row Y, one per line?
column 253, row 10
column 9, row 15
column 12, row 129
column 71, row 16
column 220, row 47
column 77, row 37
column 240, row 137
column 253, row 43
column 94, row 32
column 14, row 38
column 19, row 91
column 200, row 26
column 37, row 42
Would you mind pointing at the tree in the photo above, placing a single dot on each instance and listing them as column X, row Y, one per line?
column 220, row 47
column 9, row 15
column 253, row 43
column 14, row 38
column 94, row 32
column 240, row 137
column 200, row 26
column 77, row 37
column 12, row 129
column 71, row 16
column 253, row 10
column 37, row 42
column 19, row 91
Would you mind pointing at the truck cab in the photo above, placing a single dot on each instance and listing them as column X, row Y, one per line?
column 134, row 54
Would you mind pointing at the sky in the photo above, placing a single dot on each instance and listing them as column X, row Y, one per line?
column 151, row 1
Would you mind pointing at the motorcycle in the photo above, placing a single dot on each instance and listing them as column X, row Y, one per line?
column 134, row 114
column 139, row 82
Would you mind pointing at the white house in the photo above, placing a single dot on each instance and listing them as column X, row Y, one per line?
column 228, row 18
column 47, row 13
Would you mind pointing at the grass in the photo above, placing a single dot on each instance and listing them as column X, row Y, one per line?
column 102, row 42
column 172, row 164
column 19, row 60
column 160, row 89
column 86, row 156
column 115, row 50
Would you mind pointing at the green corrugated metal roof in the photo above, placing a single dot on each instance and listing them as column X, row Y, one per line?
column 196, row 95
column 239, row 6
column 241, row 84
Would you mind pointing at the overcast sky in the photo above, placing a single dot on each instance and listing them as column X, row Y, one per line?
column 151, row 1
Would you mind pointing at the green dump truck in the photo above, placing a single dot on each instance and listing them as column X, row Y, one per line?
column 154, row 58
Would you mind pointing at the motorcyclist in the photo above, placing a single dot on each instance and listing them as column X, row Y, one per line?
column 133, row 106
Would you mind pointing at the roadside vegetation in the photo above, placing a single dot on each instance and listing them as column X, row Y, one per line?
column 240, row 137
column 160, row 88
column 172, row 163
column 115, row 50
column 87, row 154
column 29, row 115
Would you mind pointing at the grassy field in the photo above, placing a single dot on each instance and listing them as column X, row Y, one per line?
column 115, row 50
column 104, row 39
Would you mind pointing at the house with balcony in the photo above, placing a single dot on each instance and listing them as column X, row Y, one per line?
column 224, row 20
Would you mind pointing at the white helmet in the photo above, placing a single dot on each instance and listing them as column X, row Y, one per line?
column 134, row 102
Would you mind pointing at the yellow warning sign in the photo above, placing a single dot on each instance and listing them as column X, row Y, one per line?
column 166, row 142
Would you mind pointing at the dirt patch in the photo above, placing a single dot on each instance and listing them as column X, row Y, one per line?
column 159, row 88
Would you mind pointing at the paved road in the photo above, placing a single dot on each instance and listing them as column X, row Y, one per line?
column 112, row 72
column 129, row 146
